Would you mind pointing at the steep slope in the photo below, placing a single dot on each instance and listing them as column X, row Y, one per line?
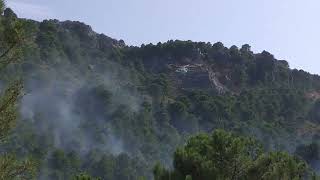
column 94, row 104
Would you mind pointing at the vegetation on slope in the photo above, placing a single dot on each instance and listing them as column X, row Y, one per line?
column 93, row 104
column 222, row 155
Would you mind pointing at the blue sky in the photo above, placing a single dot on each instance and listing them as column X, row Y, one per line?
column 289, row 29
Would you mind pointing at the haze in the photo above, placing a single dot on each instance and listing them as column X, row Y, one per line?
column 289, row 29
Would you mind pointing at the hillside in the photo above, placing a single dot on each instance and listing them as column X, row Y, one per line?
column 94, row 104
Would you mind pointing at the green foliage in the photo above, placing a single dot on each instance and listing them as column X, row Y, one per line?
column 110, row 167
column 219, row 156
column 11, row 34
column 2, row 6
column 11, row 168
column 8, row 114
column 84, row 177
column 11, row 38
column 223, row 155
column 277, row 165
column 261, row 97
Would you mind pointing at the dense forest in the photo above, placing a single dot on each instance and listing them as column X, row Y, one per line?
column 80, row 105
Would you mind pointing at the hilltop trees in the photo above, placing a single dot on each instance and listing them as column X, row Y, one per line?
column 142, row 110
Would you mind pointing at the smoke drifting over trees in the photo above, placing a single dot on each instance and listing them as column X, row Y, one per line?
column 92, row 104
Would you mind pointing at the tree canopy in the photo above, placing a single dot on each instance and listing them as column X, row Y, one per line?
column 223, row 155
column 73, row 100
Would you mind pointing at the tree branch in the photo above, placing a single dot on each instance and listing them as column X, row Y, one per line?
column 7, row 51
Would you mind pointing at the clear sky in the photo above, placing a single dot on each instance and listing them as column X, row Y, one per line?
column 289, row 29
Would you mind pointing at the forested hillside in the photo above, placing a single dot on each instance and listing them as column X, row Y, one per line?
column 92, row 104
